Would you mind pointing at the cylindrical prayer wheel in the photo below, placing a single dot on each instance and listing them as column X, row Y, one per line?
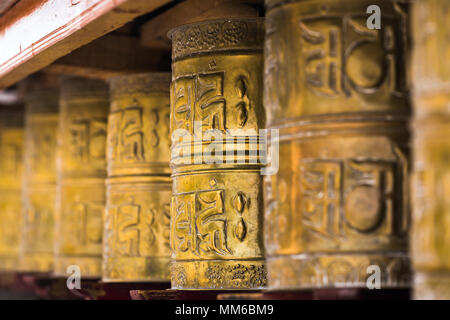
column 137, row 221
column 430, row 237
column 39, row 184
column 11, row 167
column 337, row 210
column 81, row 169
column 216, row 105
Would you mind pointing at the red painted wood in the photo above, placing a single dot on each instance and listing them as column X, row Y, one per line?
column 34, row 33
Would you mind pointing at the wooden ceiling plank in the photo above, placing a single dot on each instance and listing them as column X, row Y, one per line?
column 109, row 56
column 35, row 33
column 154, row 32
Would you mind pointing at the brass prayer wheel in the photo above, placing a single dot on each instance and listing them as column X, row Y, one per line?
column 11, row 168
column 81, row 169
column 337, row 93
column 430, row 236
column 39, row 186
column 217, row 208
column 137, row 216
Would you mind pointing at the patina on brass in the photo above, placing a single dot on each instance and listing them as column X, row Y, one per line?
column 136, row 232
column 337, row 93
column 39, row 187
column 11, row 167
column 81, row 172
column 430, row 237
column 216, row 209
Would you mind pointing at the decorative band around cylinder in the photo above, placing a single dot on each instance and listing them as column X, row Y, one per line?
column 217, row 205
column 81, row 173
column 337, row 93
column 137, row 216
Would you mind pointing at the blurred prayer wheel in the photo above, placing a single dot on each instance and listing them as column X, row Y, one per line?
column 430, row 237
column 11, row 167
column 217, row 208
column 136, row 231
column 39, row 187
column 337, row 92
column 81, row 172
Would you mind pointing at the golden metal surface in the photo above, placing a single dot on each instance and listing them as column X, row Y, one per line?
column 136, row 231
column 11, row 168
column 337, row 92
column 430, row 238
column 81, row 170
column 216, row 209
column 39, row 188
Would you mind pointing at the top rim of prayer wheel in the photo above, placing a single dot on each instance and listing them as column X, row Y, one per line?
column 140, row 83
column 270, row 4
column 83, row 87
column 237, row 34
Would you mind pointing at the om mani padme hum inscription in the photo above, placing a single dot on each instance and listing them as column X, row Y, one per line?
column 430, row 237
column 216, row 209
column 11, row 168
column 337, row 92
column 81, row 176
column 136, row 235
column 41, row 121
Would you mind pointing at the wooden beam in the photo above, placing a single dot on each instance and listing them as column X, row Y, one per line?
column 109, row 56
column 35, row 33
column 154, row 32
column 6, row 4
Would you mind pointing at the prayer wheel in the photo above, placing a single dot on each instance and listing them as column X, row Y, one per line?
column 137, row 220
column 11, row 168
column 216, row 106
column 39, row 184
column 81, row 170
column 337, row 210
column 430, row 237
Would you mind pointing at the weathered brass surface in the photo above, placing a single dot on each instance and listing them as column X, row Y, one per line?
column 337, row 92
column 11, row 168
column 81, row 170
column 216, row 209
column 430, row 238
column 39, row 188
column 136, row 231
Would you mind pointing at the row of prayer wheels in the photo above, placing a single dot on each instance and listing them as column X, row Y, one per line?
column 159, row 177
